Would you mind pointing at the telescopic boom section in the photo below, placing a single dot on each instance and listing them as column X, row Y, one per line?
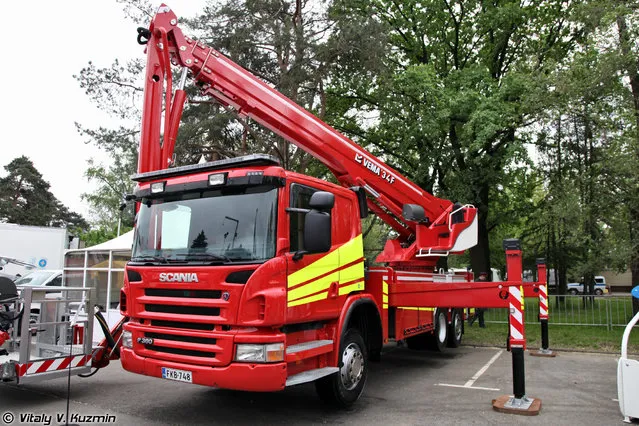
column 427, row 226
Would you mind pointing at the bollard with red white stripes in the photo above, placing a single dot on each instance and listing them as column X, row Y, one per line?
column 519, row 403
column 543, row 311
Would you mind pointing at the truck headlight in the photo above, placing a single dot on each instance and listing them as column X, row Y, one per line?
column 127, row 339
column 273, row 352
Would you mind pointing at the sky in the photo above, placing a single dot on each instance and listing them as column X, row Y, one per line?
column 40, row 100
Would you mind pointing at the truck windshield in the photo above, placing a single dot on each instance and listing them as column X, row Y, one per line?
column 207, row 227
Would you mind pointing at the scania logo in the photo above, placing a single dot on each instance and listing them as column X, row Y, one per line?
column 181, row 277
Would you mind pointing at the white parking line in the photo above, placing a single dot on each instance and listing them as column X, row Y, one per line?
column 467, row 387
column 469, row 384
column 483, row 370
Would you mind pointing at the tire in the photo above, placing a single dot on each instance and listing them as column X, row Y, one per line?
column 455, row 329
column 438, row 340
column 573, row 292
column 345, row 387
column 598, row 292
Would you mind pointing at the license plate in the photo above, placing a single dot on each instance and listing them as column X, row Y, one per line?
column 177, row 375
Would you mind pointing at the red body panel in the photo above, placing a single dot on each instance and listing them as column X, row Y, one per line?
column 240, row 376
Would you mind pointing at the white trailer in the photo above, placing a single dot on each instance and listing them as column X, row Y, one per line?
column 40, row 246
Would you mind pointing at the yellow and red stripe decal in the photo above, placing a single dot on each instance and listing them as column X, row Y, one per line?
column 413, row 308
column 345, row 266
column 384, row 295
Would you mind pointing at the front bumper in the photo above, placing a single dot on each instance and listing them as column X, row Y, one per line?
column 238, row 376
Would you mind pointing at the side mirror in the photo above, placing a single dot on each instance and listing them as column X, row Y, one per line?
column 317, row 232
column 317, row 224
column 361, row 200
column 322, row 201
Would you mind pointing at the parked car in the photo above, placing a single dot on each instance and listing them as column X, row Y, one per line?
column 39, row 278
column 42, row 277
column 600, row 287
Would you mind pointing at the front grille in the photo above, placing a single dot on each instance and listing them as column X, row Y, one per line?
column 185, row 325
column 184, row 310
column 194, row 294
column 189, row 339
column 176, row 351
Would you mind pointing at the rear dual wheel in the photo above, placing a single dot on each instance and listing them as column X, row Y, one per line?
column 435, row 341
column 455, row 329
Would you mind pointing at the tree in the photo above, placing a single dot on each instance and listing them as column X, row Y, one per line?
column 281, row 43
column 25, row 199
column 586, row 145
column 453, row 88
column 627, row 11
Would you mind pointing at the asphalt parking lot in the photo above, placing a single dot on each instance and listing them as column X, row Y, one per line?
column 406, row 388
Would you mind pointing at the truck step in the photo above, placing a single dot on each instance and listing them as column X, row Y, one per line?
column 306, row 350
column 310, row 376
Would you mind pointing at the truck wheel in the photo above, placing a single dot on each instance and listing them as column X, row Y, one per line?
column 598, row 292
column 345, row 387
column 439, row 339
column 455, row 329
column 573, row 292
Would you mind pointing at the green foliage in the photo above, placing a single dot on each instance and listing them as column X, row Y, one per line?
column 25, row 199
column 99, row 235
column 456, row 87
column 521, row 108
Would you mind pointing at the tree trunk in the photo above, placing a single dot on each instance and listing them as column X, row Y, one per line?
column 480, row 254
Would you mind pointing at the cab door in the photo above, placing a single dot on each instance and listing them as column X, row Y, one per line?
column 312, row 281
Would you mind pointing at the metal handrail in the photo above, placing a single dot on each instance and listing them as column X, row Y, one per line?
column 626, row 336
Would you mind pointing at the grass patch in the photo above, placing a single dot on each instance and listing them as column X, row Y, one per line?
column 559, row 336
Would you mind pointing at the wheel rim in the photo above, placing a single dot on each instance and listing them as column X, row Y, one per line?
column 352, row 369
column 441, row 322
column 458, row 326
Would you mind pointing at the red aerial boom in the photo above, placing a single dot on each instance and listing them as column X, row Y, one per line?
column 428, row 226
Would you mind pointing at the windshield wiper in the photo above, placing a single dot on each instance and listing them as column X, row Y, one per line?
column 205, row 257
column 149, row 258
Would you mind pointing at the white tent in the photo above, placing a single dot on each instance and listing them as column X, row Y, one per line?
column 102, row 268
column 123, row 242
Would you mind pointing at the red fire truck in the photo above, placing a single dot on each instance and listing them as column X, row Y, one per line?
column 248, row 276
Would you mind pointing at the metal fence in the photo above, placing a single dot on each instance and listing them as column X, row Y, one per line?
column 598, row 311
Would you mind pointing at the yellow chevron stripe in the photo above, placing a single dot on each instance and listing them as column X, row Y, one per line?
column 384, row 287
column 320, row 266
column 352, row 273
column 351, row 251
column 384, row 298
column 310, row 299
column 353, row 287
column 384, row 305
column 344, row 254
column 313, row 287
